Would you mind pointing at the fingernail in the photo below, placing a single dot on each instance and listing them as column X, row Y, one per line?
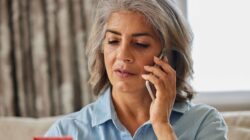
column 146, row 67
column 165, row 58
column 143, row 76
column 156, row 58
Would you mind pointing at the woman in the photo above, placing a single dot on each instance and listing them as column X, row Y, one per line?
column 126, row 38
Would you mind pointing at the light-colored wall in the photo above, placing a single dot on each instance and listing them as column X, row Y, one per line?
column 223, row 101
column 183, row 6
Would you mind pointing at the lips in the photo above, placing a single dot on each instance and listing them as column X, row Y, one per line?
column 124, row 73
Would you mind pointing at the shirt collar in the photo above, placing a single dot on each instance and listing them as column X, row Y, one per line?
column 182, row 107
column 104, row 108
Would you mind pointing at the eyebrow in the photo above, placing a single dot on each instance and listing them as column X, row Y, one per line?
column 133, row 35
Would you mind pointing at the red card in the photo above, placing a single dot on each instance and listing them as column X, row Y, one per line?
column 53, row 138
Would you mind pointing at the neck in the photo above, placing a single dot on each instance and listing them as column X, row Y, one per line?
column 132, row 107
column 131, row 102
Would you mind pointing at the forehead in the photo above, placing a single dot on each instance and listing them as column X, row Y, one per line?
column 129, row 21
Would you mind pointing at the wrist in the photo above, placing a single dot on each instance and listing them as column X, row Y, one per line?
column 158, row 126
column 164, row 130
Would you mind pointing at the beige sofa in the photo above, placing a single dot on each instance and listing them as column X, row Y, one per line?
column 16, row 128
column 238, row 124
column 13, row 128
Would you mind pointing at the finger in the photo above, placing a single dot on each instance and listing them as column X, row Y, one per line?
column 159, row 86
column 158, row 83
column 156, row 71
column 165, row 66
column 165, row 59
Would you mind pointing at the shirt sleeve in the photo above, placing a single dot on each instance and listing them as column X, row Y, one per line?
column 213, row 127
column 53, row 130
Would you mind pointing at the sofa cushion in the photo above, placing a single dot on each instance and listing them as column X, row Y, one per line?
column 238, row 124
column 15, row 128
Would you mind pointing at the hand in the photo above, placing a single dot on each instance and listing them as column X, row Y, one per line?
column 164, row 80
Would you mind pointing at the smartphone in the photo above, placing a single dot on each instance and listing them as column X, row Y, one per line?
column 53, row 138
column 150, row 87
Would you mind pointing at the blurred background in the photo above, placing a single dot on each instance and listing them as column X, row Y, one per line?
column 221, row 52
column 43, row 66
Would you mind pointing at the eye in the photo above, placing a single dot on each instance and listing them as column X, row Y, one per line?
column 113, row 42
column 141, row 45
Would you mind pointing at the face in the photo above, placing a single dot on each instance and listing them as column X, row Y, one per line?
column 130, row 43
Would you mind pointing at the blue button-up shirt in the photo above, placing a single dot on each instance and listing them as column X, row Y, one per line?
column 98, row 121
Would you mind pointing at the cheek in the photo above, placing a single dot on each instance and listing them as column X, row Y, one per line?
column 146, row 61
column 108, row 60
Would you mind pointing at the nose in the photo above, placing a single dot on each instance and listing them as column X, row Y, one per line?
column 125, row 54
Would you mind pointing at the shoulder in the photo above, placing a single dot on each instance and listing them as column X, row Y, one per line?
column 202, row 121
column 196, row 110
column 198, row 113
column 71, row 123
column 206, row 112
column 209, row 122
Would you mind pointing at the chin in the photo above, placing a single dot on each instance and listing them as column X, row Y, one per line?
column 122, row 86
column 127, row 87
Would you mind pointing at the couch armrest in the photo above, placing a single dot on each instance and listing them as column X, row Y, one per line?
column 238, row 124
column 13, row 128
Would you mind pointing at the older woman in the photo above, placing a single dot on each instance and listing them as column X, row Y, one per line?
column 126, row 38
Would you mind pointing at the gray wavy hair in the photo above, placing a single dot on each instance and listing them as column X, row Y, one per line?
column 169, row 24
